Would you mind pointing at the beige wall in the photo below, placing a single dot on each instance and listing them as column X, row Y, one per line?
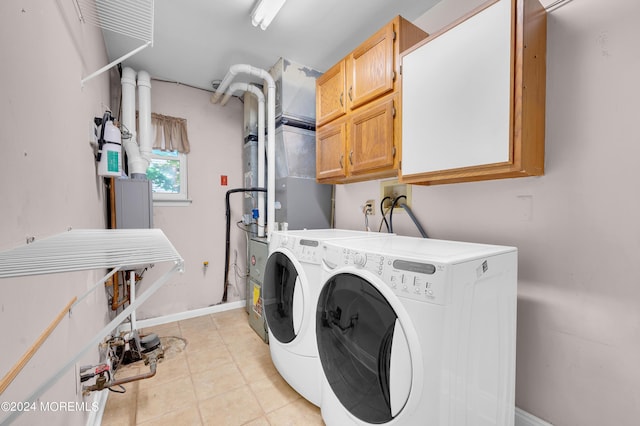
column 197, row 230
column 576, row 228
column 48, row 183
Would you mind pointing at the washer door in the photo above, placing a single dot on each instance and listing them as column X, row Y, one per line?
column 282, row 297
column 363, row 349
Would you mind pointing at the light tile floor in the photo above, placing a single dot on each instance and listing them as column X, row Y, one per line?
column 222, row 376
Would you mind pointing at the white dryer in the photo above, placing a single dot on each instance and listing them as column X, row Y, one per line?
column 417, row 332
column 290, row 293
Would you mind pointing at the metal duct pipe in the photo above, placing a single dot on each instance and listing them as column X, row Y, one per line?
column 246, row 87
column 271, row 130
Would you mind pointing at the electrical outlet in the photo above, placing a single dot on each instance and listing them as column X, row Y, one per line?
column 369, row 207
column 393, row 189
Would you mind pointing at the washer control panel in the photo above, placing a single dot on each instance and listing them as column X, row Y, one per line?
column 419, row 280
column 307, row 250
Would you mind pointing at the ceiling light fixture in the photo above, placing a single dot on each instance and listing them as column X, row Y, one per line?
column 265, row 11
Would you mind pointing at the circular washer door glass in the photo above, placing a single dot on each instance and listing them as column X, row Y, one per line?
column 355, row 333
column 280, row 278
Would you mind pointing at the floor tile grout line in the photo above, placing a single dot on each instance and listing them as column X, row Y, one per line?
column 237, row 357
column 169, row 380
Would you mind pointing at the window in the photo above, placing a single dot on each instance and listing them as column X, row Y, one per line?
column 167, row 169
column 168, row 175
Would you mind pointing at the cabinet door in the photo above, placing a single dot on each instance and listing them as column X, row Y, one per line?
column 457, row 96
column 372, row 138
column 370, row 67
column 331, row 142
column 330, row 94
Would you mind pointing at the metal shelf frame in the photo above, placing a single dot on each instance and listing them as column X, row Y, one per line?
column 89, row 249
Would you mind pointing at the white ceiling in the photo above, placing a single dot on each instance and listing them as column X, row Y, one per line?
column 196, row 41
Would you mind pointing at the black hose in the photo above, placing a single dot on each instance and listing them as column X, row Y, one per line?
column 228, row 213
column 393, row 206
column 384, row 215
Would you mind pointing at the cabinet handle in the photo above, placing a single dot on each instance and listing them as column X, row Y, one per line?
column 342, row 99
column 351, row 93
column 342, row 161
column 351, row 158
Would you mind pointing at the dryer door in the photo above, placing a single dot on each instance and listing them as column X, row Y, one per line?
column 358, row 334
column 282, row 297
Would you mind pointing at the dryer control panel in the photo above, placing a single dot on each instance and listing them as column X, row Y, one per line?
column 419, row 280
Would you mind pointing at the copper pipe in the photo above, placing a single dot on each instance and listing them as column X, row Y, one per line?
column 152, row 372
column 101, row 383
column 115, row 304
column 114, row 299
column 113, row 225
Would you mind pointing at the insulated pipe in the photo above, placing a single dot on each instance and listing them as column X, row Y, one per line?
column 246, row 87
column 271, row 129
column 137, row 166
column 144, row 117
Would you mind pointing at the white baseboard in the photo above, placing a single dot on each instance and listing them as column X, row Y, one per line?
column 525, row 419
column 100, row 399
column 191, row 314
column 150, row 322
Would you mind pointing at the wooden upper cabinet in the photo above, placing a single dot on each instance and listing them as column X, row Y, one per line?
column 370, row 68
column 357, row 103
column 330, row 94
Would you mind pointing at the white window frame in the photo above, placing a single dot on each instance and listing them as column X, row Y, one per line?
column 183, row 195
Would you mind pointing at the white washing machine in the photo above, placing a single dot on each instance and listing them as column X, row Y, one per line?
column 290, row 294
column 417, row 332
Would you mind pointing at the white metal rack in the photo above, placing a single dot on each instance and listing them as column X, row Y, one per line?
column 84, row 249
column 87, row 249
column 130, row 18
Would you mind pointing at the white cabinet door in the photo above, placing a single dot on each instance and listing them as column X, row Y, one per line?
column 457, row 95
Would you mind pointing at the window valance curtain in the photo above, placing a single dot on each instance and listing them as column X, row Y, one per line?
column 170, row 133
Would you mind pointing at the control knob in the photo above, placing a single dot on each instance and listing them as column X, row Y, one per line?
column 359, row 259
